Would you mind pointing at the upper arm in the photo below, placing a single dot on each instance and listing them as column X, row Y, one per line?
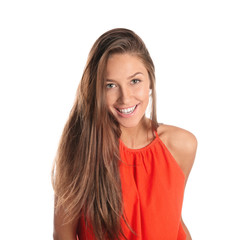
column 183, row 145
column 184, row 150
column 64, row 231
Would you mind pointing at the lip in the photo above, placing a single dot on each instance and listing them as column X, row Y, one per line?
column 127, row 115
column 127, row 107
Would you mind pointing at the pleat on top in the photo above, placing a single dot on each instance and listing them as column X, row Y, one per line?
column 152, row 187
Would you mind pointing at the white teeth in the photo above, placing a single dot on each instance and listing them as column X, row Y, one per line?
column 127, row 110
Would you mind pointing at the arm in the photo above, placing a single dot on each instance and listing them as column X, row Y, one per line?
column 188, row 235
column 182, row 145
column 187, row 163
column 64, row 231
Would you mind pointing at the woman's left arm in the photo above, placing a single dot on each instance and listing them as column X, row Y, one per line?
column 187, row 161
column 183, row 145
column 188, row 235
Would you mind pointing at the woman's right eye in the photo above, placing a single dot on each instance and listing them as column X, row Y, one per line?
column 110, row 85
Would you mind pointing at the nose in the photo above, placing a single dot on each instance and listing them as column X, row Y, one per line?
column 125, row 95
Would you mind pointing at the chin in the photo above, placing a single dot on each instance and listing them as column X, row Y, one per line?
column 129, row 123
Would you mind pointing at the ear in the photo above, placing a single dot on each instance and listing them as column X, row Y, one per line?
column 150, row 87
column 150, row 83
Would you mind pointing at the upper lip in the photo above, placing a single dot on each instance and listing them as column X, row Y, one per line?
column 126, row 107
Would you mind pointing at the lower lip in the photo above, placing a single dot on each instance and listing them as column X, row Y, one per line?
column 127, row 115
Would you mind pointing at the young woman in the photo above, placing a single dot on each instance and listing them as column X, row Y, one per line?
column 117, row 173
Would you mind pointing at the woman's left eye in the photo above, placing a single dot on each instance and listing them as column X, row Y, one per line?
column 134, row 81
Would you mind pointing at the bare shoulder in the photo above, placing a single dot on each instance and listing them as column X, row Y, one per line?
column 181, row 143
column 177, row 137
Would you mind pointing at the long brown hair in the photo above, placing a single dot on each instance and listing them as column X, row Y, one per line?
column 85, row 175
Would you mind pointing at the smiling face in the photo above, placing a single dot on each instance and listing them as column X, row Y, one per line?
column 127, row 89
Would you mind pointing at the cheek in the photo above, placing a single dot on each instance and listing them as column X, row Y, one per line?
column 110, row 98
column 144, row 94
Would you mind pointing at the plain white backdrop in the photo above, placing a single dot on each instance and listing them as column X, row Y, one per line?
column 199, row 54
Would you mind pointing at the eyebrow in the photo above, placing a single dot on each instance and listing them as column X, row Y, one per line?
column 111, row 80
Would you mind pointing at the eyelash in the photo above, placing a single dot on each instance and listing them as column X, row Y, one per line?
column 109, row 84
column 136, row 80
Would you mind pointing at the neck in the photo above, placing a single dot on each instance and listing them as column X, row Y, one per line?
column 137, row 136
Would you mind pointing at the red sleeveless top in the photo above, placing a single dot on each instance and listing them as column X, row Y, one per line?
column 152, row 188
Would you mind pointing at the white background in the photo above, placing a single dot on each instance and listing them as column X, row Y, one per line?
column 199, row 53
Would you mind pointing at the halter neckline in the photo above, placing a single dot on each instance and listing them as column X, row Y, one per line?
column 143, row 148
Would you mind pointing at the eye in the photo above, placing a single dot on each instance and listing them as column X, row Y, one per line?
column 134, row 81
column 110, row 85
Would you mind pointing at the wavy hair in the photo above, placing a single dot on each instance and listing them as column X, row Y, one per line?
column 85, row 175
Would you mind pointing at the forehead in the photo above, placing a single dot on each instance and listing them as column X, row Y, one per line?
column 123, row 66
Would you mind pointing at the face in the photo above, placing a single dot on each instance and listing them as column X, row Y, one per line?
column 127, row 89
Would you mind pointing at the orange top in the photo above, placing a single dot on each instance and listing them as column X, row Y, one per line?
column 152, row 189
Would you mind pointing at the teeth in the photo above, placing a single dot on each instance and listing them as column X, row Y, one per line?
column 127, row 110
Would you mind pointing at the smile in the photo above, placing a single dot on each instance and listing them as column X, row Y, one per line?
column 126, row 111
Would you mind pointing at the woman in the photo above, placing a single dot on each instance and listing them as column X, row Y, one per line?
column 119, row 174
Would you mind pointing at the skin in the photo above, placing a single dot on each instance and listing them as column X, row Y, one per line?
column 128, row 85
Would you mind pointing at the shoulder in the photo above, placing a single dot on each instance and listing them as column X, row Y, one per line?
column 177, row 137
column 181, row 143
